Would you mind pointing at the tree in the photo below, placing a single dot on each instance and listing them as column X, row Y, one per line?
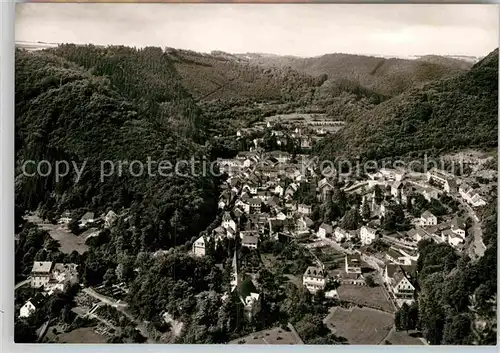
column 109, row 277
column 370, row 282
column 378, row 194
column 351, row 219
column 404, row 317
column 366, row 212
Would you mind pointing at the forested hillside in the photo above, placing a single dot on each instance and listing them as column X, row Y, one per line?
column 66, row 113
column 225, row 77
column 385, row 76
column 446, row 114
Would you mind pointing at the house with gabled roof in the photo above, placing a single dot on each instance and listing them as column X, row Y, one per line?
column 428, row 219
column 86, row 219
column 41, row 273
column 398, row 280
column 66, row 217
column 341, row 234
column 228, row 222
column 314, row 279
column 325, row 188
column 32, row 304
column 200, row 246
column 458, row 227
column 303, row 224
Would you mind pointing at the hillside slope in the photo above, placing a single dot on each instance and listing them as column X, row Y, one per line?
column 382, row 75
column 65, row 113
column 224, row 76
column 446, row 114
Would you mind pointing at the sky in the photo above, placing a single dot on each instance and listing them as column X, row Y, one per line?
column 285, row 29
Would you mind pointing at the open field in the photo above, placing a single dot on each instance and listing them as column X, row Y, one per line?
column 272, row 336
column 68, row 241
column 360, row 325
column 402, row 338
column 80, row 335
column 373, row 297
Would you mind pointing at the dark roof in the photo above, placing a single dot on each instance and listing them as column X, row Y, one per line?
column 37, row 300
column 245, row 287
column 313, row 271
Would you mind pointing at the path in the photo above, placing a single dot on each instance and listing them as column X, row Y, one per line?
column 122, row 307
column 22, row 283
column 477, row 232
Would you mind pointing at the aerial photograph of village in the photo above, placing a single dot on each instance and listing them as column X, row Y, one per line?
column 225, row 174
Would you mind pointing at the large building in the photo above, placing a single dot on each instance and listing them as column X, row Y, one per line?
column 41, row 273
column 314, row 279
column 428, row 219
column 53, row 277
column 442, row 179
column 399, row 282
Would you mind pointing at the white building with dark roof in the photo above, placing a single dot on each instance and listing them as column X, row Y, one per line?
column 314, row 279
column 428, row 219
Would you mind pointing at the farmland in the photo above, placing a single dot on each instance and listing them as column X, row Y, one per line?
column 373, row 297
column 360, row 325
column 68, row 241
column 79, row 335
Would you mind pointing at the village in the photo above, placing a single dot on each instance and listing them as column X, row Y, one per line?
column 360, row 234
column 371, row 262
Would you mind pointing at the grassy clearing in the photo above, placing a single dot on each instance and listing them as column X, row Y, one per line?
column 360, row 325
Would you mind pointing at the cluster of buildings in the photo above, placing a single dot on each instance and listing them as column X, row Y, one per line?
column 50, row 277
column 259, row 199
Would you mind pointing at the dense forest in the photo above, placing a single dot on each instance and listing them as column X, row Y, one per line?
column 447, row 114
column 67, row 113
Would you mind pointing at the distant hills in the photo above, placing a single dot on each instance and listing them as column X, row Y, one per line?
column 386, row 76
column 445, row 114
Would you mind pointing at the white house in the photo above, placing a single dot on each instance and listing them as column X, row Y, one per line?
column 279, row 190
column 53, row 277
column 399, row 283
column 303, row 224
column 110, row 219
column 31, row 305
column 341, row 234
column 41, row 273
column 304, row 209
column 470, row 196
column 451, row 238
column 428, row 219
column 368, row 235
column 200, row 246
column 228, row 222
column 458, row 227
column 324, row 231
column 314, row 279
